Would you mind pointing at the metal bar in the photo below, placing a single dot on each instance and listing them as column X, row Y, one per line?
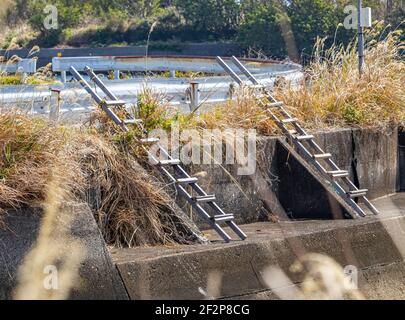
column 360, row 37
column 228, row 69
column 97, row 98
column 245, row 71
column 85, row 85
column 201, row 192
column 102, row 86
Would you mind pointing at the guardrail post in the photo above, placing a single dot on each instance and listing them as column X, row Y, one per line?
column 194, row 95
column 63, row 76
column 116, row 74
column 172, row 73
column 54, row 105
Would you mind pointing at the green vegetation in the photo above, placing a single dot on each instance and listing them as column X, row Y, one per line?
column 273, row 27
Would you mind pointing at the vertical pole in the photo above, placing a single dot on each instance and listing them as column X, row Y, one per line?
column 194, row 95
column 54, row 107
column 63, row 76
column 360, row 38
column 116, row 74
column 172, row 73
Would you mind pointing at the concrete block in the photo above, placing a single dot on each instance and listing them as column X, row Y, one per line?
column 99, row 278
column 179, row 273
column 375, row 156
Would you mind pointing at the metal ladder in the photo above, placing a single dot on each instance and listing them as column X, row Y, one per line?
column 180, row 178
column 303, row 141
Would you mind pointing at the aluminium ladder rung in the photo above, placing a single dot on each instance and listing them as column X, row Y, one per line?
column 223, row 218
column 132, row 121
column 187, row 180
column 170, row 162
column 149, row 140
column 112, row 103
column 258, row 86
column 305, row 137
column 322, row 156
column 289, row 120
column 275, row 105
column 357, row 193
column 208, row 198
column 338, row 173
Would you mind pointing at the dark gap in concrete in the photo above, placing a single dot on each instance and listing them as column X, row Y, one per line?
column 299, row 192
column 353, row 164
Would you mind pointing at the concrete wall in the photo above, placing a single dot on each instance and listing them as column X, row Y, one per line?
column 373, row 246
column 99, row 278
column 284, row 186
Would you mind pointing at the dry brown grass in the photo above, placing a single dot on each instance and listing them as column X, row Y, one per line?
column 333, row 94
column 128, row 204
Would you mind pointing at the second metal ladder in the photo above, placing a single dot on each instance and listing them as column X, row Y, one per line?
column 178, row 175
column 304, row 142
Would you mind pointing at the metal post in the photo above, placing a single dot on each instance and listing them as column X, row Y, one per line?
column 360, row 38
column 172, row 73
column 63, row 76
column 54, row 105
column 116, row 75
column 194, row 95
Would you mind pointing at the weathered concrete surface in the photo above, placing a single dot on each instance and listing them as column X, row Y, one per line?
column 282, row 186
column 370, row 155
column 99, row 278
column 376, row 160
column 373, row 245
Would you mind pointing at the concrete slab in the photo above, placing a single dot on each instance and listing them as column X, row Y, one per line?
column 177, row 272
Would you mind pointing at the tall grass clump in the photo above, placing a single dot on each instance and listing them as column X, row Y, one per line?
column 130, row 206
column 335, row 95
column 332, row 94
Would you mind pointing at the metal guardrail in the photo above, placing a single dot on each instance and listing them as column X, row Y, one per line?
column 25, row 66
column 163, row 64
column 182, row 93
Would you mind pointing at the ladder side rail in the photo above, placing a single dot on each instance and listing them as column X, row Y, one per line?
column 228, row 69
column 317, row 164
column 195, row 205
column 97, row 98
column 203, row 214
column 100, row 83
column 85, row 84
column 367, row 202
column 334, row 166
column 244, row 70
column 340, row 190
column 200, row 191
